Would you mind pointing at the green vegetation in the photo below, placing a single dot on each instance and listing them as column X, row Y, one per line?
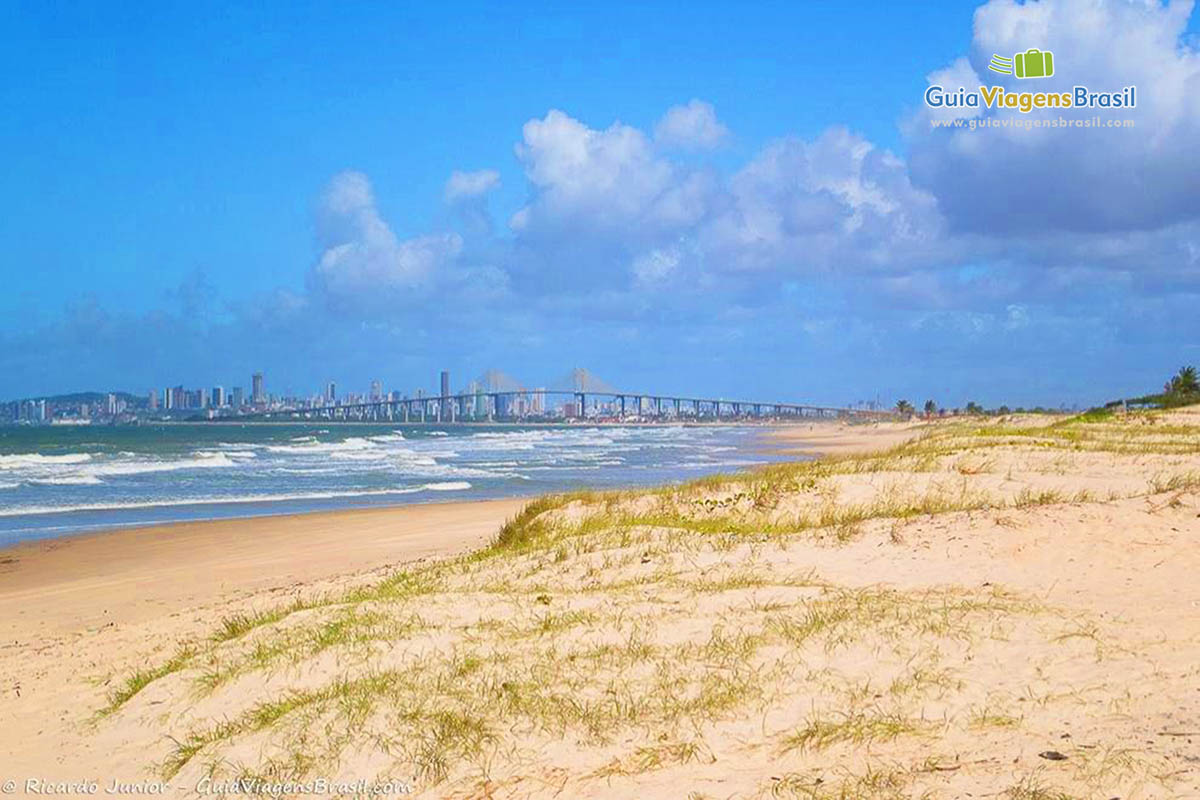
column 1181, row 389
column 1032, row 788
column 644, row 624
column 1184, row 383
column 509, row 677
column 857, row 727
column 141, row 678
column 877, row 784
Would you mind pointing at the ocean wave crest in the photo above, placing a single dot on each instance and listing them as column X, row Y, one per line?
column 26, row 460
column 444, row 486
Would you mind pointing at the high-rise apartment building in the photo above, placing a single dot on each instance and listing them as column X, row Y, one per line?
column 445, row 411
column 256, row 389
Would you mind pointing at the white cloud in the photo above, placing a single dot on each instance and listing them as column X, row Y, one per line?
column 611, row 209
column 469, row 185
column 363, row 261
column 691, row 126
column 611, row 177
column 1100, row 179
column 834, row 202
column 797, row 206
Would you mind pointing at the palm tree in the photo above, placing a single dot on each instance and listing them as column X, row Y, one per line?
column 930, row 408
column 1184, row 382
column 904, row 407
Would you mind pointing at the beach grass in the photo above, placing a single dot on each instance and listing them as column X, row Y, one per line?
column 637, row 627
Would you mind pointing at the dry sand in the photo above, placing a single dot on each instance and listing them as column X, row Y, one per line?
column 81, row 583
column 836, row 440
column 1001, row 611
column 73, row 611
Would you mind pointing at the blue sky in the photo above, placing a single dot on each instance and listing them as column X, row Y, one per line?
column 712, row 198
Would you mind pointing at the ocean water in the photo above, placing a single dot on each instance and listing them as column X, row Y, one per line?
column 58, row 481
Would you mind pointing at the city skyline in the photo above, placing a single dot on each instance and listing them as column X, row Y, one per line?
column 490, row 380
column 492, row 394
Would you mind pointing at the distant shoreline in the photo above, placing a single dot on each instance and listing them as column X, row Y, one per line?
column 88, row 574
column 88, row 515
column 785, row 441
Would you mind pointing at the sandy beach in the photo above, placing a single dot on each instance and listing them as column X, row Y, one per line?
column 1001, row 608
column 97, row 601
column 838, row 440
column 81, row 583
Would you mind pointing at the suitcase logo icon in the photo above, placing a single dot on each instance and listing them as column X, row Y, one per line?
column 1033, row 63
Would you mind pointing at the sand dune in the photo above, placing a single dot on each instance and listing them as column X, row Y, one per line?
column 981, row 608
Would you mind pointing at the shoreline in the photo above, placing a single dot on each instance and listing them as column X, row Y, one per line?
column 104, row 528
column 131, row 573
column 772, row 439
column 114, row 575
column 819, row 440
column 127, row 575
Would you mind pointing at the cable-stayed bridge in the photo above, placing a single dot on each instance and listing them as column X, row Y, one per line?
column 577, row 396
column 577, row 380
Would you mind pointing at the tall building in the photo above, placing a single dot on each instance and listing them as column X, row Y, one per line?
column 152, row 400
column 478, row 401
column 444, row 413
column 256, row 389
column 330, row 392
column 376, row 391
column 238, row 399
column 218, row 397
